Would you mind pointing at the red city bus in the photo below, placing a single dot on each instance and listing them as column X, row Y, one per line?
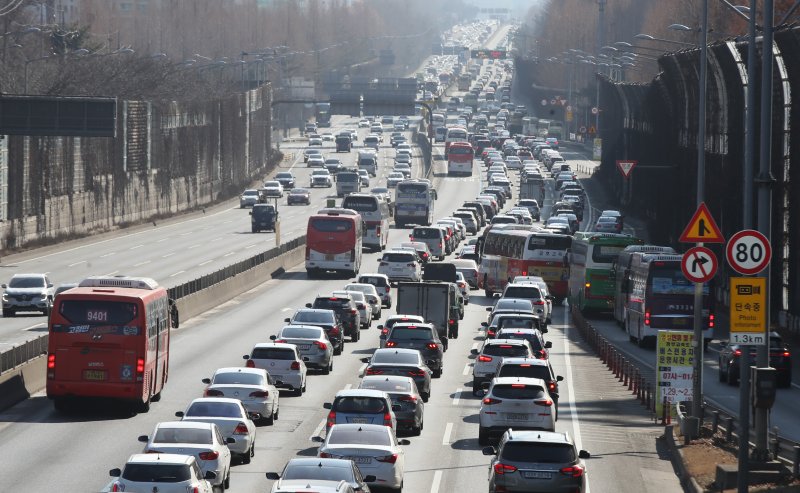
column 109, row 338
column 334, row 241
column 459, row 159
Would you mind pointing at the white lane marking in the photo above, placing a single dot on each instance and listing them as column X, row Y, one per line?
column 136, row 246
column 573, row 410
column 193, row 246
column 215, row 239
column 142, row 263
column 33, row 326
column 475, row 346
column 448, row 430
column 168, row 255
column 251, row 246
column 186, row 233
column 437, row 480
column 362, row 369
column 177, row 273
column 162, row 240
column 285, row 309
column 77, row 263
column 101, row 256
column 457, row 396
column 205, row 263
column 318, row 429
column 467, row 368
column 229, row 254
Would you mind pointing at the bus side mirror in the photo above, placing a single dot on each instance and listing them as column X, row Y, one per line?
column 173, row 314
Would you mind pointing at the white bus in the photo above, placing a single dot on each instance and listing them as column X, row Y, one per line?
column 454, row 134
column 414, row 203
column 375, row 213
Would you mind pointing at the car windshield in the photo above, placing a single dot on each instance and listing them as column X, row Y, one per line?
column 398, row 257
column 514, row 304
column 314, row 472
column 272, row 353
column 383, row 357
column 527, row 292
column 517, row 391
column 359, row 436
column 411, row 334
column 156, row 473
column 375, row 281
column 284, row 175
column 182, row 435
column 241, row 378
column 502, row 321
column 299, row 191
column 553, row 453
column 521, row 335
column 214, row 410
column 427, row 233
column 314, row 317
column 300, row 333
column 250, row 193
column 524, row 370
column 358, row 404
column 26, row 282
column 506, row 350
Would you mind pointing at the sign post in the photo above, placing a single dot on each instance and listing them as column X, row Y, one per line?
column 674, row 362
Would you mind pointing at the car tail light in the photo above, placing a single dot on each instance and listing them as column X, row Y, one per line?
column 572, row 471
column 295, row 365
column 214, row 393
column 416, row 373
column 711, row 321
column 259, row 393
column 51, row 365
column 424, row 254
column 441, row 245
column 388, row 288
column 737, row 352
column 408, row 398
column 334, row 331
column 208, row 455
column 647, row 318
column 432, row 345
column 387, row 420
column 551, row 386
column 542, row 354
column 250, row 364
column 374, row 371
column 331, row 418
column 538, row 302
column 241, row 429
column 324, row 455
column 391, row 343
column 501, row 468
column 411, row 238
column 139, row 369
column 378, row 230
column 353, row 311
column 544, row 402
column 491, row 333
column 786, row 354
column 390, row 459
column 384, row 331
column 484, row 359
column 321, row 345
column 280, row 341
column 115, row 487
column 451, row 322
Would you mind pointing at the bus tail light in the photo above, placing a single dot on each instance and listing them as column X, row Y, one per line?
column 711, row 321
column 51, row 366
column 139, row 369
column 647, row 318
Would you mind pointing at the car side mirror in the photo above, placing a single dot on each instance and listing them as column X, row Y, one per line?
column 548, row 345
column 559, row 378
column 488, row 308
column 370, row 479
column 327, row 405
column 489, row 451
column 380, row 327
column 144, row 438
column 287, row 320
column 583, row 454
column 308, row 305
column 246, row 357
column 317, row 439
column 272, row 337
column 484, row 324
column 116, row 472
column 4, row 287
column 207, row 381
column 473, row 352
column 305, row 359
column 366, row 360
column 209, row 475
column 230, row 440
column 179, row 414
column 274, row 476
column 544, row 330
column 404, row 442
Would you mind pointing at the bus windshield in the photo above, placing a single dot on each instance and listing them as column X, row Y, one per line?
column 460, row 150
column 606, row 254
column 98, row 312
column 330, row 225
column 360, row 204
column 672, row 282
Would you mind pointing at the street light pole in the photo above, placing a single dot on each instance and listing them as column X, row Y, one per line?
column 697, row 360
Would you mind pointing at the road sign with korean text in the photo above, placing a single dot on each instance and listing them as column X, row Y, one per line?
column 674, row 371
column 748, row 323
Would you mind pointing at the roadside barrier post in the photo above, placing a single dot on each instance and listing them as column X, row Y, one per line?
column 714, row 422
column 729, row 430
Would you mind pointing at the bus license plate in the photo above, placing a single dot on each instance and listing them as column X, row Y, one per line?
column 537, row 475
column 519, row 417
column 94, row 375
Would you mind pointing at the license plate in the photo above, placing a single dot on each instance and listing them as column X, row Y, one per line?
column 516, row 416
column 277, row 377
column 94, row 375
column 359, row 420
column 537, row 475
column 329, row 256
column 361, row 460
column 304, row 347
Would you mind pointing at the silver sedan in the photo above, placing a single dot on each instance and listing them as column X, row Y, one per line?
column 403, row 392
column 312, row 343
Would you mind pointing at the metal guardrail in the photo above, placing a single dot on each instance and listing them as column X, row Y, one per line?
column 28, row 350
column 640, row 381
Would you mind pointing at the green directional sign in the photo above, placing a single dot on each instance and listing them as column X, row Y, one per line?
column 486, row 53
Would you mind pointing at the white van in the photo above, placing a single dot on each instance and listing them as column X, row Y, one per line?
column 368, row 160
column 375, row 213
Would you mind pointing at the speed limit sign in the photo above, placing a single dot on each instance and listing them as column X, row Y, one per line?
column 748, row 252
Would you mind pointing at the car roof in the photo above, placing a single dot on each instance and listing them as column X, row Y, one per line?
column 195, row 425
column 160, row 459
column 398, row 350
column 240, row 369
column 301, row 326
column 516, row 342
column 278, row 345
column 525, row 361
column 539, row 436
column 518, row 380
column 362, row 393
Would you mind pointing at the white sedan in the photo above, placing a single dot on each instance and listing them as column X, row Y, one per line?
column 253, row 386
column 201, row 440
column 374, row 448
column 231, row 418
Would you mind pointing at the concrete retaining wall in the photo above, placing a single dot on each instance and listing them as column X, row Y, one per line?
column 19, row 384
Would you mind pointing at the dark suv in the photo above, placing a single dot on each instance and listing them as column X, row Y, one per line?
column 780, row 358
column 326, row 319
column 422, row 337
column 346, row 311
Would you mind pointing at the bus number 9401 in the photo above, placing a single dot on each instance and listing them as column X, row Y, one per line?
column 97, row 316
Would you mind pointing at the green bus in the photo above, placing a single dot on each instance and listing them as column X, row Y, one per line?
column 591, row 258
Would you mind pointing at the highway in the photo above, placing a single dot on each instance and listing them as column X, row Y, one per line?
column 601, row 415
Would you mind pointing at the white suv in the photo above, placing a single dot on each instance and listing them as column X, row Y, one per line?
column 181, row 474
column 530, row 291
column 28, row 293
column 515, row 402
column 400, row 265
column 284, row 364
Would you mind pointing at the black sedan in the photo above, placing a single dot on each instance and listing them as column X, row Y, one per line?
column 299, row 196
column 780, row 358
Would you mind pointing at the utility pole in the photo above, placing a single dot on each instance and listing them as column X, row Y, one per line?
column 764, row 181
column 601, row 41
column 742, row 478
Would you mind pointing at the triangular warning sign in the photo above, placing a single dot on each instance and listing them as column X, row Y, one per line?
column 625, row 167
column 702, row 228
